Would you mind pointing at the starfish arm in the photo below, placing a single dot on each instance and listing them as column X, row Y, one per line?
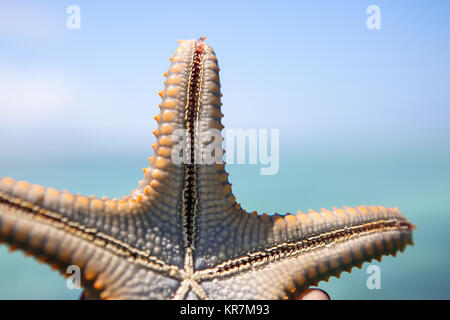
column 62, row 229
column 278, row 256
column 174, row 178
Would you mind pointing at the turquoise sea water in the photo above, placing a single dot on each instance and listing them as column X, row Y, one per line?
column 416, row 181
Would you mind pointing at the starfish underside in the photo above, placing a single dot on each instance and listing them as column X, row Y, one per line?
column 181, row 234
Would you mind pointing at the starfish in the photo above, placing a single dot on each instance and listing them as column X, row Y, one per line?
column 181, row 234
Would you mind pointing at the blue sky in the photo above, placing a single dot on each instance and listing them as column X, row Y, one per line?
column 311, row 69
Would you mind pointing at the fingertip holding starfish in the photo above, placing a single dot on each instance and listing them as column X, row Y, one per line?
column 181, row 234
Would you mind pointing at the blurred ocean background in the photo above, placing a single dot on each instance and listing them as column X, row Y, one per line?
column 364, row 115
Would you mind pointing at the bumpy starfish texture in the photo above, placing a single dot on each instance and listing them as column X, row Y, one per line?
column 181, row 234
